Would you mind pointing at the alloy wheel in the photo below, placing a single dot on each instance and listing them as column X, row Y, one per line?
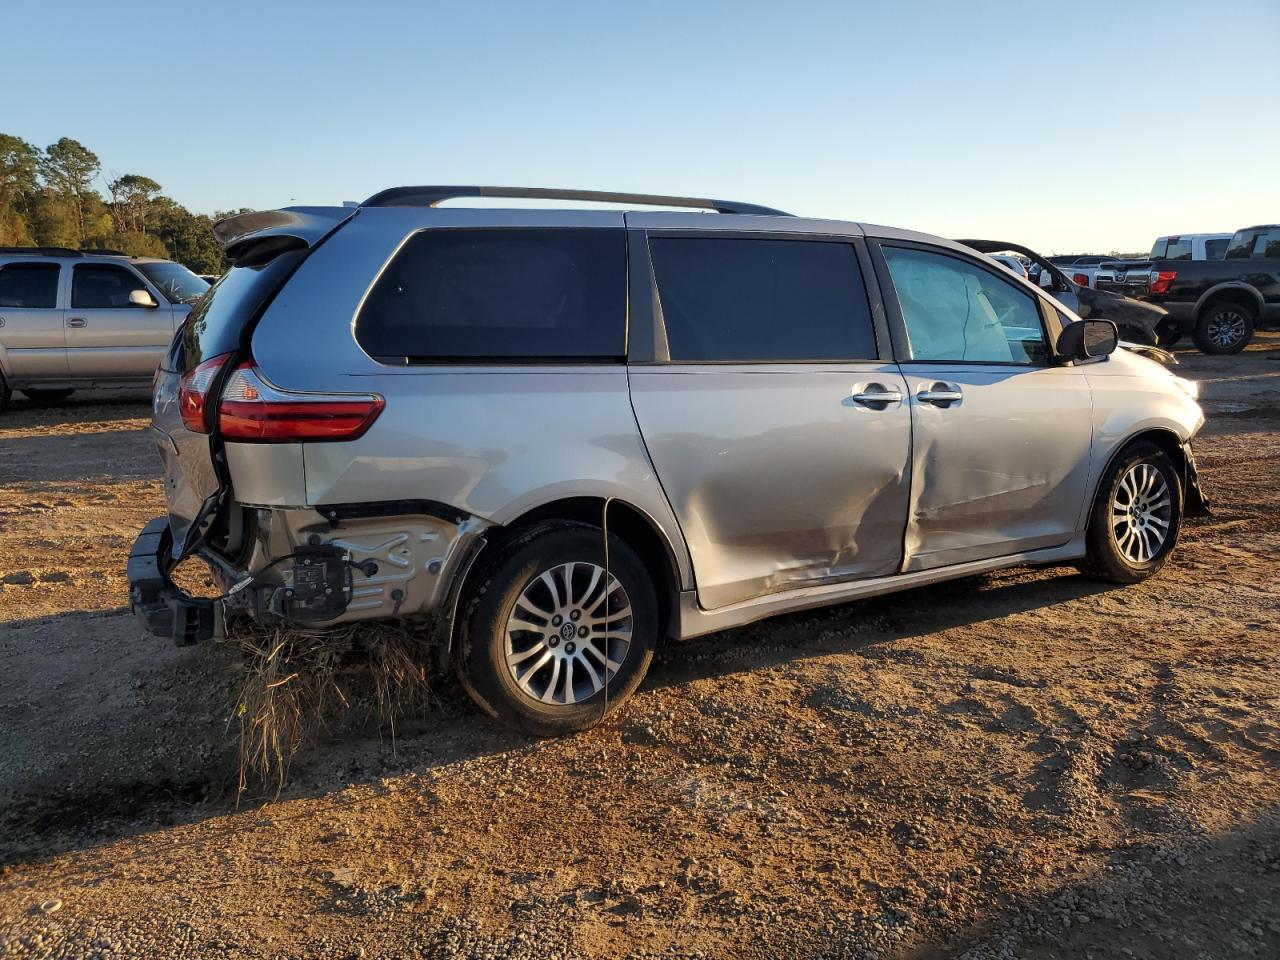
column 568, row 634
column 1141, row 513
column 1226, row 329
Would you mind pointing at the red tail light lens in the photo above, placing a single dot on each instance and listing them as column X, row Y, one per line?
column 1160, row 281
column 193, row 393
column 1081, row 279
column 254, row 411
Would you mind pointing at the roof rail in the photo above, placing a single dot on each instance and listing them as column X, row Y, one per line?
column 42, row 251
column 430, row 196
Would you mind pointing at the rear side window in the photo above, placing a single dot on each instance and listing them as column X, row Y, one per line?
column 32, row 285
column 103, row 286
column 1214, row 249
column 541, row 293
column 741, row 299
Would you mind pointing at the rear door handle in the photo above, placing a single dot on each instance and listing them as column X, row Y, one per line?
column 940, row 394
column 876, row 395
column 77, row 322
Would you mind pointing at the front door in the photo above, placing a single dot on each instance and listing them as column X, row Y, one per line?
column 30, row 322
column 780, row 436
column 107, row 336
column 1002, row 438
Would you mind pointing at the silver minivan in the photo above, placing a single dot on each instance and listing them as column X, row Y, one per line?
column 563, row 435
column 71, row 319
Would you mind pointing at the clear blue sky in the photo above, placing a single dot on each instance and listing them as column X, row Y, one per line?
column 1068, row 126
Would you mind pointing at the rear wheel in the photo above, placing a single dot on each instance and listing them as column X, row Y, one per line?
column 551, row 642
column 36, row 395
column 1224, row 328
column 5, row 394
column 1136, row 515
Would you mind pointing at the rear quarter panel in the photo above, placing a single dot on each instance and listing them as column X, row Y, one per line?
column 493, row 440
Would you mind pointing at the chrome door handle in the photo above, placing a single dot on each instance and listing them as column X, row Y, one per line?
column 940, row 394
column 77, row 322
column 876, row 393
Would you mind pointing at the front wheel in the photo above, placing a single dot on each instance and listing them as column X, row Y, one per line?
column 1168, row 333
column 1224, row 328
column 1136, row 515
column 555, row 634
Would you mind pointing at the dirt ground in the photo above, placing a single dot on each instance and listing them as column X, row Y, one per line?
column 1026, row 764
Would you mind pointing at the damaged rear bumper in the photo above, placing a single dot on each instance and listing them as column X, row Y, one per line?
column 160, row 606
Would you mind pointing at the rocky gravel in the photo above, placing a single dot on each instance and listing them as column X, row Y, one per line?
column 1021, row 765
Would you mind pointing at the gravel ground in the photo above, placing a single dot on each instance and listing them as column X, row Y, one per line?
column 1026, row 764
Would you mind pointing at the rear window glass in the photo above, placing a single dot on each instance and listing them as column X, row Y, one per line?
column 218, row 320
column 759, row 300
column 1179, row 248
column 1259, row 242
column 1159, row 247
column 539, row 293
column 32, row 285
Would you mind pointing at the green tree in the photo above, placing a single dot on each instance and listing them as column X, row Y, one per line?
column 188, row 236
column 131, row 198
column 132, row 242
column 18, row 186
column 68, row 167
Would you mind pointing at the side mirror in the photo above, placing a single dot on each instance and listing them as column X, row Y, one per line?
column 1046, row 280
column 1087, row 340
column 142, row 298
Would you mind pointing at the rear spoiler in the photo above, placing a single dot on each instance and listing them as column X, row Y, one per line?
column 249, row 239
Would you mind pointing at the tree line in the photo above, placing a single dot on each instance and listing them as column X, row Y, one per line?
column 49, row 198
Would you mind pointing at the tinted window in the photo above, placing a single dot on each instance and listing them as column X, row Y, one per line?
column 1214, row 249
column 29, row 285
column 956, row 310
column 1260, row 242
column 1179, row 248
column 95, row 286
column 742, row 299
column 217, row 323
column 505, row 294
column 1159, row 247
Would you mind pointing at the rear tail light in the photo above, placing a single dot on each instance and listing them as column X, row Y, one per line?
column 254, row 411
column 193, row 393
column 1159, row 282
column 1081, row 279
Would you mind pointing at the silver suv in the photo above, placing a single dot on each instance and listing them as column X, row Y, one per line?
column 564, row 435
column 71, row 318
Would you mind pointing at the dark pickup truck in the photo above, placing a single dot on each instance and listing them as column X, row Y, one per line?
column 1220, row 302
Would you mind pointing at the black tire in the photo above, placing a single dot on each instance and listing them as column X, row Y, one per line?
column 37, row 395
column 1105, row 559
column 1168, row 333
column 5, row 394
column 481, row 657
column 1225, row 327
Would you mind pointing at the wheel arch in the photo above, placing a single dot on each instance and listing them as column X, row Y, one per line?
column 1231, row 292
column 625, row 520
column 1176, row 449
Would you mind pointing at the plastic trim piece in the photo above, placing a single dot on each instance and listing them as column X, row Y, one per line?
column 431, row 196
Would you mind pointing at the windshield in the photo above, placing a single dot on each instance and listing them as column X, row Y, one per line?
column 175, row 281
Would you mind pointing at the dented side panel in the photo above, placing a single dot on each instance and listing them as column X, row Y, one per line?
column 1002, row 471
column 779, row 479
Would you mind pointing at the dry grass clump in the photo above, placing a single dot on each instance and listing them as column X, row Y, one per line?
column 298, row 682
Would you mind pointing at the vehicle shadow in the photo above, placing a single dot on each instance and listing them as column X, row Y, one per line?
column 1192, row 898
column 860, row 624
column 71, row 763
